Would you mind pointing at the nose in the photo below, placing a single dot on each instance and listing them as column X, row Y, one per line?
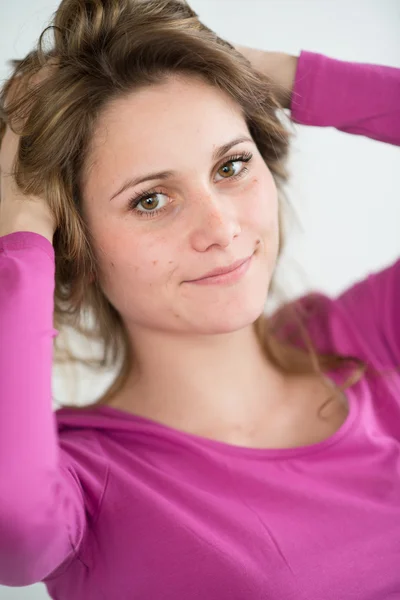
column 213, row 222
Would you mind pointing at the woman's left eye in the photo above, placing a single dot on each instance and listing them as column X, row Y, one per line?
column 228, row 165
column 135, row 203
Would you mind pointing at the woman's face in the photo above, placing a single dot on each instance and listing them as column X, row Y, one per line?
column 206, row 212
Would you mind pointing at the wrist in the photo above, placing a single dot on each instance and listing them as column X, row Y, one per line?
column 29, row 228
column 281, row 68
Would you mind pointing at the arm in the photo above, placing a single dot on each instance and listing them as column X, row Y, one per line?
column 358, row 98
column 372, row 305
column 43, row 512
column 362, row 99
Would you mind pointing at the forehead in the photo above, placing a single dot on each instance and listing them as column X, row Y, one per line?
column 175, row 114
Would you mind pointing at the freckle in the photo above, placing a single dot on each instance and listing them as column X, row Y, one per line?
column 155, row 262
column 112, row 264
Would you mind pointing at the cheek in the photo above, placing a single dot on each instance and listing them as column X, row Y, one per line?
column 263, row 203
column 134, row 258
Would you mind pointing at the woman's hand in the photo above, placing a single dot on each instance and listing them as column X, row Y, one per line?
column 278, row 66
column 19, row 212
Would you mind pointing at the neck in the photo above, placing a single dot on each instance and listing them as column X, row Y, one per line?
column 210, row 384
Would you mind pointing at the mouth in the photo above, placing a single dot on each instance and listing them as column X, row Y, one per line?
column 227, row 274
column 223, row 270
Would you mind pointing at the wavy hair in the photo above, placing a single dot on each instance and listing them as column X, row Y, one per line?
column 102, row 50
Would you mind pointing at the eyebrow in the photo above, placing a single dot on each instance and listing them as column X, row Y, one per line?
column 218, row 153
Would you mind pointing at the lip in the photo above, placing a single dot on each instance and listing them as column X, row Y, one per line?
column 220, row 271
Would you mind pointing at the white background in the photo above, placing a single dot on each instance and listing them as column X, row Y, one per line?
column 345, row 189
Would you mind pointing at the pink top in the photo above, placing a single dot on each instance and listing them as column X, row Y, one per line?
column 103, row 504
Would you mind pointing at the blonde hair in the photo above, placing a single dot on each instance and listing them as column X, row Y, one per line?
column 103, row 50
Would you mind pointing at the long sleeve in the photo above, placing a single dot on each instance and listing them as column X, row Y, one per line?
column 373, row 304
column 42, row 510
column 358, row 98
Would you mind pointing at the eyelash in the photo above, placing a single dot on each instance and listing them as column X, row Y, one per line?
column 245, row 157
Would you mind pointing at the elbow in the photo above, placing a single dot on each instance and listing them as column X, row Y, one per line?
column 30, row 551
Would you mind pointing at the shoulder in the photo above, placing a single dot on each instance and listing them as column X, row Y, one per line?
column 362, row 321
column 82, row 456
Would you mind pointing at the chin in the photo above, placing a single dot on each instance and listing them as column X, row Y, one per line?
column 232, row 318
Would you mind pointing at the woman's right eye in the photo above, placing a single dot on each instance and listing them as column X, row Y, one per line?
column 148, row 200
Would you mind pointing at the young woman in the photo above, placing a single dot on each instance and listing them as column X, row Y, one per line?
column 237, row 456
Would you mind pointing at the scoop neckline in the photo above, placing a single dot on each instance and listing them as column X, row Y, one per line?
column 227, row 448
